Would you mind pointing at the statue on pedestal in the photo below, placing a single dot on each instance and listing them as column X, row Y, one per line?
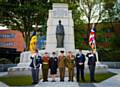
column 60, row 35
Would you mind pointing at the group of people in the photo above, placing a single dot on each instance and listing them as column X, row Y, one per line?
column 61, row 62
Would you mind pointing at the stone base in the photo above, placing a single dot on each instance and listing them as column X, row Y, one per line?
column 18, row 71
column 24, row 69
column 100, row 68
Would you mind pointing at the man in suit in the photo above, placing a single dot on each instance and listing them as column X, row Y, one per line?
column 80, row 59
column 92, row 63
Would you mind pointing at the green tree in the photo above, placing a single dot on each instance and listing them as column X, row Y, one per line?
column 22, row 14
column 78, row 24
column 112, row 12
column 92, row 10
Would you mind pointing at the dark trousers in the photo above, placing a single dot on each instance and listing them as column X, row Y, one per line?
column 80, row 71
column 62, row 73
column 92, row 72
column 35, row 74
column 71, row 73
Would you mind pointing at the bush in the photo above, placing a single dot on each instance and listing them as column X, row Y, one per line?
column 109, row 55
column 5, row 61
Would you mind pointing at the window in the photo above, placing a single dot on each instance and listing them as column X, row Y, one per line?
column 7, row 44
column 7, row 35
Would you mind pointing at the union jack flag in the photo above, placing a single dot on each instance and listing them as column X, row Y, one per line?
column 92, row 38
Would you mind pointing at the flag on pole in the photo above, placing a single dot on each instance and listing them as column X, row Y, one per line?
column 92, row 38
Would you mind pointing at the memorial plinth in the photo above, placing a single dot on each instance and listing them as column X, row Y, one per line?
column 60, row 12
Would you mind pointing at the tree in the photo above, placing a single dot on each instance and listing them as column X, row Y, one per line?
column 64, row 1
column 92, row 10
column 78, row 24
column 22, row 14
column 112, row 12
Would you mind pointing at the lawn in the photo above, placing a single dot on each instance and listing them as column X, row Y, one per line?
column 27, row 80
column 16, row 80
column 98, row 77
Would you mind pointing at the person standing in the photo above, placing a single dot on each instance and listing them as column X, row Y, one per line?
column 53, row 61
column 61, row 65
column 92, row 63
column 70, row 62
column 80, row 60
column 45, row 66
column 35, row 64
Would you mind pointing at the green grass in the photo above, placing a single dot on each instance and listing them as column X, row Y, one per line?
column 16, row 80
column 27, row 80
column 98, row 77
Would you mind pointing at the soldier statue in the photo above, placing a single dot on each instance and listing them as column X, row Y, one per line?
column 60, row 35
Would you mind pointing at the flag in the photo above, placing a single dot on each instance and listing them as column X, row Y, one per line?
column 92, row 38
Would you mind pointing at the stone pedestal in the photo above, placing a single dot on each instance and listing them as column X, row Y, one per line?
column 60, row 12
column 22, row 68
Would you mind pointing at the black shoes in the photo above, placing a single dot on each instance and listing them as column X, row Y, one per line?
column 34, row 83
column 53, row 81
column 70, row 81
column 61, row 80
column 92, row 80
column 45, row 80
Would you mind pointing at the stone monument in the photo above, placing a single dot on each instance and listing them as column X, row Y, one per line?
column 60, row 12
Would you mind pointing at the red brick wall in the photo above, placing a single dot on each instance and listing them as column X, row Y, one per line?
column 18, row 40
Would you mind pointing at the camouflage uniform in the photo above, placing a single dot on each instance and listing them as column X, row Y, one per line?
column 61, row 66
column 70, row 61
column 45, row 67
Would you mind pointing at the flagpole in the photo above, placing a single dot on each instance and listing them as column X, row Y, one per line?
column 96, row 53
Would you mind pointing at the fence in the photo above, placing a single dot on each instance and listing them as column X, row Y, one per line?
column 4, row 67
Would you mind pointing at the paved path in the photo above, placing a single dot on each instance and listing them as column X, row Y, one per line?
column 3, row 73
column 57, row 83
column 3, row 85
column 63, row 84
column 111, row 82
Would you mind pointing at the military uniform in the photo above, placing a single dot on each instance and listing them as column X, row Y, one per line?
column 80, row 59
column 35, row 64
column 92, row 63
column 45, row 68
column 70, row 62
column 61, row 66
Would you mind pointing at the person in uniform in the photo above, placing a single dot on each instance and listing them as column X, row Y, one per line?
column 53, row 63
column 80, row 59
column 45, row 66
column 61, row 65
column 35, row 64
column 70, row 63
column 92, row 63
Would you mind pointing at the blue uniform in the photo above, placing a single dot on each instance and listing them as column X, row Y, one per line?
column 35, row 64
column 80, row 59
column 91, row 63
